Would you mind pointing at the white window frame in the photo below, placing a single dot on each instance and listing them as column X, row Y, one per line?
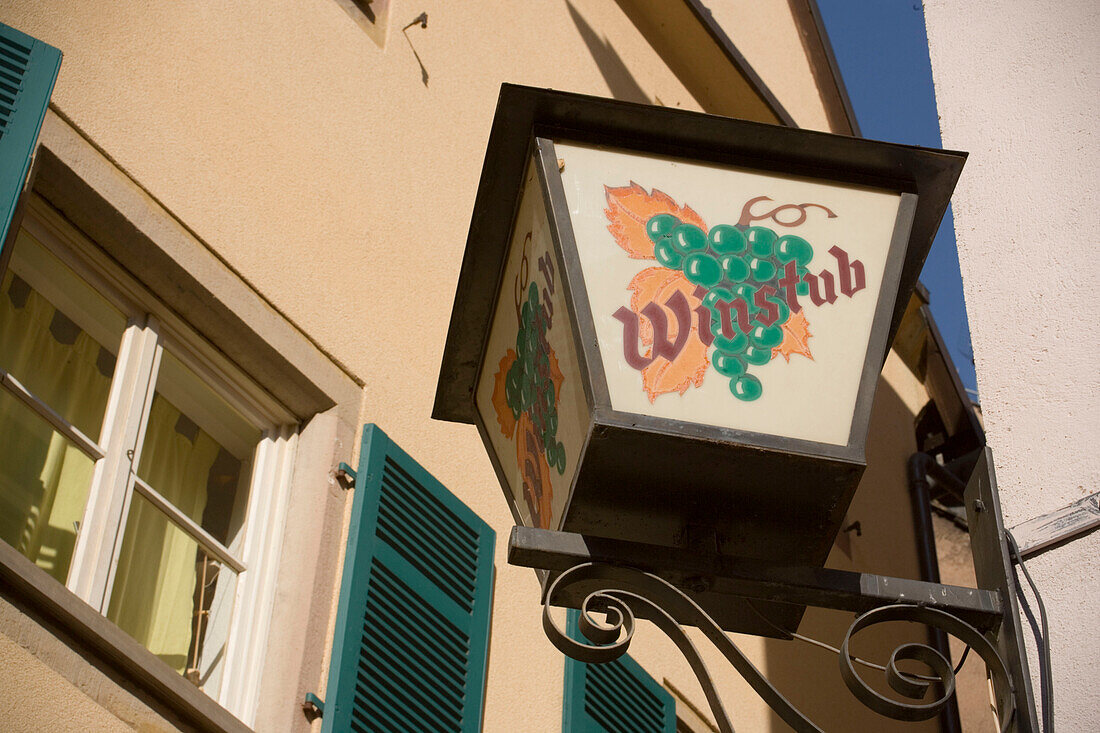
column 151, row 328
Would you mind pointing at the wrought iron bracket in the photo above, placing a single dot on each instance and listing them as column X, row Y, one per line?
column 843, row 590
column 628, row 580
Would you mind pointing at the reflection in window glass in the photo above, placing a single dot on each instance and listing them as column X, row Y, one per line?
column 46, row 344
column 58, row 336
column 198, row 451
column 171, row 595
column 44, row 481
column 168, row 592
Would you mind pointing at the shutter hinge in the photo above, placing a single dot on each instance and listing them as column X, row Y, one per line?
column 313, row 707
column 345, row 475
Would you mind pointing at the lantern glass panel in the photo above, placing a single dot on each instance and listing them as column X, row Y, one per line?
column 530, row 394
column 727, row 296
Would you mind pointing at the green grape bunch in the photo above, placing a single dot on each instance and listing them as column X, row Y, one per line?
column 730, row 266
column 528, row 386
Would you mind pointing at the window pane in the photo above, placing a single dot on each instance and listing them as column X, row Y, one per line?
column 47, row 318
column 197, row 454
column 172, row 596
column 197, row 451
column 44, row 482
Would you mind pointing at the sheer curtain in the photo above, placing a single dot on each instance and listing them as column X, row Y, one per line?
column 44, row 479
column 153, row 594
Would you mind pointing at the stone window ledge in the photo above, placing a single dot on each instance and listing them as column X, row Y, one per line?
column 107, row 647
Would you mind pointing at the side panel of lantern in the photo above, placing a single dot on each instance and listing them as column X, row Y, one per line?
column 728, row 297
column 530, row 394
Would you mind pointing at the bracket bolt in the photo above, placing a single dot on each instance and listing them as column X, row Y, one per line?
column 698, row 583
column 979, row 505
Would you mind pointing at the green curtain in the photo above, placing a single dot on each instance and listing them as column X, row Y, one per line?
column 44, row 479
column 153, row 594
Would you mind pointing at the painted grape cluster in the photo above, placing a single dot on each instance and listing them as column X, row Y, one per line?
column 733, row 264
column 528, row 386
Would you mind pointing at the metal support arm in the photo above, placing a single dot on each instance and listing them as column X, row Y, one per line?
column 676, row 587
column 806, row 586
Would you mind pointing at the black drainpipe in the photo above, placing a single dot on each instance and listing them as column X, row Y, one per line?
column 919, row 467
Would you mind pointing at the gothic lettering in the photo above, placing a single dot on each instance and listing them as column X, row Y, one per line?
column 789, row 285
column 768, row 313
column 847, row 271
column 826, row 278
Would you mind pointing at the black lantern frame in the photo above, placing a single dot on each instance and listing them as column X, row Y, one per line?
column 683, row 564
column 789, row 496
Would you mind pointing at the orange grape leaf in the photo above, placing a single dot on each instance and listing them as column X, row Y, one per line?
column 796, row 337
column 630, row 207
column 657, row 285
column 500, row 402
column 531, row 459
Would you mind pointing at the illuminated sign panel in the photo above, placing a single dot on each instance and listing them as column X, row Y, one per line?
column 726, row 296
column 529, row 394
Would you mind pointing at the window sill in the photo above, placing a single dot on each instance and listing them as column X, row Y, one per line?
column 106, row 645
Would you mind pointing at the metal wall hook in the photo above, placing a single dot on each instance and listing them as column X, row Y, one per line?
column 422, row 21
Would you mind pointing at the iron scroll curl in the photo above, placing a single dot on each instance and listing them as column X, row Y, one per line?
column 915, row 687
column 625, row 592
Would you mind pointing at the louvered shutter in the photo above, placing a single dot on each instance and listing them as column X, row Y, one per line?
column 28, row 69
column 412, row 628
column 616, row 697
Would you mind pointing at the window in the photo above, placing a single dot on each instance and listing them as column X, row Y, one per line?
column 137, row 465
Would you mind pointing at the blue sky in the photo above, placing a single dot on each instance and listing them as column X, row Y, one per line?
column 882, row 50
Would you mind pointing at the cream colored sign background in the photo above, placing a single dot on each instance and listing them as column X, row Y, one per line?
column 571, row 407
column 806, row 399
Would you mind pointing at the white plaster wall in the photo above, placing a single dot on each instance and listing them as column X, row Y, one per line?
column 1018, row 86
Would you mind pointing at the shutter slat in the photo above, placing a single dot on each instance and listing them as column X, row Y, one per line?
column 385, row 687
column 453, row 526
column 401, row 667
column 616, row 697
column 13, row 42
column 417, row 594
column 623, row 709
column 387, row 612
column 28, row 69
column 411, row 642
column 399, row 534
column 452, row 547
column 615, row 676
column 432, row 522
column 615, row 709
column 404, row 521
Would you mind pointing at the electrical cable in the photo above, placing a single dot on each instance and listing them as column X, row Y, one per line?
column 1046, row 692
column 854, row 658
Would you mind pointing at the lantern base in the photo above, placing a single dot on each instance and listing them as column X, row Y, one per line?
column 740, row 595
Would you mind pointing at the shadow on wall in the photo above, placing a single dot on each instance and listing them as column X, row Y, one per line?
column 810, row 677
column 619, row 79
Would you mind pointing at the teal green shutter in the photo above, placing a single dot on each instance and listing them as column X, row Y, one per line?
column 28, row 69
column 616, row 697
column 412, row 628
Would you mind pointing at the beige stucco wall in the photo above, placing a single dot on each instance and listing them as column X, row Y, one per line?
column 47, row 686
column 321, row 168
column 764, row 31
column 1018, row 85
